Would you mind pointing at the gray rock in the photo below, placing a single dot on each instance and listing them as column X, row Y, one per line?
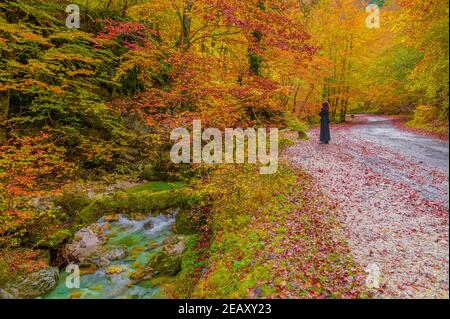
column 114, row 252
column 33, row 285
column 86, row 243
column 176, row 247
column 99, row 261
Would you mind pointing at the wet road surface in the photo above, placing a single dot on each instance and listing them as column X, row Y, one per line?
column 431, row 151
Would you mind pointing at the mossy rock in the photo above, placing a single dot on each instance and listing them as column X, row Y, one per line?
column 111, row 218
column 163, row 264
column 144, row 202
column 115, row 269
column 35, row 284
column 167, row 262
column 72, row 201
column 137, row 216
column 75, row 295
column 137, row 249
column 88, row 268
column 188, row 221
column 136, row 275
column 153, row 244
column 158, row 281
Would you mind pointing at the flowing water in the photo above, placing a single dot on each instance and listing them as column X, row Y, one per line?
column 141, row 242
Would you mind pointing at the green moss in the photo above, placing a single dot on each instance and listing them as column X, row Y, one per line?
column 156, row 186
column 189, row 221
column 163, row 264
column 145, row 201
column 248, row 224
column 193, row 262
column 57, row 238
column 158, row 281
column 72, row 201
column 234, row 257
column 293, row 123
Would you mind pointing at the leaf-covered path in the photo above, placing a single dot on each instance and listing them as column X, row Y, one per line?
column 391, row 187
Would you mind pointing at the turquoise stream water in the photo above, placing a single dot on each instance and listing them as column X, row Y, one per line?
column 141, row 243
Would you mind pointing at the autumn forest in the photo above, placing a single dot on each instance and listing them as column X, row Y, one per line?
column 90, row 91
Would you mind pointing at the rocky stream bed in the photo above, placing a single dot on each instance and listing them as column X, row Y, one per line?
column 123, row 257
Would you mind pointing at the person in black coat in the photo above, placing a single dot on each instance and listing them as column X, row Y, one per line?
column 325, row 123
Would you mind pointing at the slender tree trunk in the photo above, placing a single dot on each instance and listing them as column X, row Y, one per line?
column 254, row 60
column 346, row 72
column 344, row 105
column 185, row 44
column 305, row 102
column 108, row 5
column 333, row 99
column 5, row 101
column 185, row 40
column 4, row 111
column 294, row 108
column 125, row 8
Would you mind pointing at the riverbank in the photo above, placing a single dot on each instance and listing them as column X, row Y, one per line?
column 103, row 226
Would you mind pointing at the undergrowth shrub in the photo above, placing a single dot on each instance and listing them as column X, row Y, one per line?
column 428, row 117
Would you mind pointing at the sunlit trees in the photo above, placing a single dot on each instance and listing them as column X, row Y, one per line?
column 423, row 25
column 346, row 44
column 392, row 69
column 216, row 60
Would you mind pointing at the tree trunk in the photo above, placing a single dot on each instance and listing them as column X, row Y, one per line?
column 4, row 111
column 344, row 111
column 5, row 101
column 185, row 40
column 254, row 60
column 294, row 109
column 124, row 9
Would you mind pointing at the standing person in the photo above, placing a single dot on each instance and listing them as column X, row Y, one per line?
column 325, row 123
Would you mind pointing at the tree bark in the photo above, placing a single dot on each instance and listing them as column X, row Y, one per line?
column 294, row 108
column 254, row 60
column 185, row 39
column 5, row 101
column 4, row 111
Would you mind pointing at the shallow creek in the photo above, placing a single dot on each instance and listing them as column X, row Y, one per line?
column 141, row 241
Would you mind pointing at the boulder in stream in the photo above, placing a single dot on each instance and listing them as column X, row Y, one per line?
column 88, row 248
column 167, row 262
column 86, row 242
column 149, row 225
column 113, row 252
